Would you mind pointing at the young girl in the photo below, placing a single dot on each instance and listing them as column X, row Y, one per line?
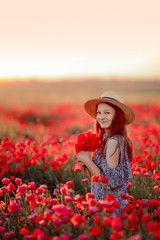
column 113, row 157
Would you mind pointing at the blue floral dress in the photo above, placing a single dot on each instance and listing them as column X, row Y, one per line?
column 118, row 177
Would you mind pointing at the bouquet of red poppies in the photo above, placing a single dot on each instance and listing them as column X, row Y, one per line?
column 87, row 141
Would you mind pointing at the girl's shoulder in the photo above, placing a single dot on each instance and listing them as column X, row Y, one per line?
column 116, row 140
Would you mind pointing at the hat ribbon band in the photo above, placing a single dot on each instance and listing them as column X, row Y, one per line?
column 108, row 98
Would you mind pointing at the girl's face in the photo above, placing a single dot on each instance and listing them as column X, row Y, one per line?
column 105, row 114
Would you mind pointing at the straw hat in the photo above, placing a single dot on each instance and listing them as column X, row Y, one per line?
column 109, row 97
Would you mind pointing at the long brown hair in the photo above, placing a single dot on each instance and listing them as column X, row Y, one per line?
column 118, row 127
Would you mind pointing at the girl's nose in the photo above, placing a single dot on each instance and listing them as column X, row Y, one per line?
column 101, row 116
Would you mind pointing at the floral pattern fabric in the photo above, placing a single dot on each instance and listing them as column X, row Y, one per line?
column 118, row 177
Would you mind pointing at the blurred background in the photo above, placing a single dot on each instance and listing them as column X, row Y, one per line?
column 53, row 52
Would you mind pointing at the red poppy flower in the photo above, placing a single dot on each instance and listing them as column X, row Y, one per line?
column 56, row 238
column 9, row 235
column 12, row 178
column 63, row 189
column 68, row 199
column 44, row 168
column 153, row 203
column 77, row 167
column 113, row 237
column 95, row 231
column 110, row 197
column 69, row 184
column 129, row 208
column 13, row 207
column 133, row 222
column 22, row 189
column 18, row 181
column 124, row 196
column 129, row 185
column 24, row 231
column 36, row 233
column 53, row 201
column 145, row 218
column 93, row 210
column 31, row 197
column 11, row 187
column 87, row 141
column 156, row 234
column 153, row 226
column 32, row 185
column 97, row 220
column 135, row 237
column 83, row 237
column 95, row 178
column 5, row 181
column 2, row 230
column 78, row 219
column 85, row 180
column 104, row 179
column 116, row 224
column 107, row 221
column 81, row 139
column 89, row 196
column 91, row 202
column 78, row 198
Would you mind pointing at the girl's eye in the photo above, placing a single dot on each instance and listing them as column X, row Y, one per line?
column 98, row 112
column 107, row 112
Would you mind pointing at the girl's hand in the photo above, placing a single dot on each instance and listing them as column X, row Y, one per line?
column 83, row 157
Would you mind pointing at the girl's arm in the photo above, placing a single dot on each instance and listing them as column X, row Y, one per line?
column 85, row 158
column 112, row 153
column 112, row 158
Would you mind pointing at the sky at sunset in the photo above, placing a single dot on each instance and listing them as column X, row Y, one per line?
column 87, row 37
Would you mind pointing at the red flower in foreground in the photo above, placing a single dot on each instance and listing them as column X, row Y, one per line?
column 116, row 224
column 44, row 168
column 13, row 207
column 110, row 197
column 153, row 203
column 95, row 178
column 104, row 179
column 85, row 180
column 77, row 220
column 36, row 233
column 83, row 237
column 135, row 237
column 18, row 181
column 11, row 187
column 32, row 185
column 9, row 235
column 133, row 222
column 69, row 184
column 95, row 231
column 2, row 230
column 86, row 142
column 97, row 220
column 81, row 139
column 24, row 232
column 77, row 167
column 5, row 181
column 89, row 196
column 107, row 221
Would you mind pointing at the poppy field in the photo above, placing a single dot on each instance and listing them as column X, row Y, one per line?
column 45, row 194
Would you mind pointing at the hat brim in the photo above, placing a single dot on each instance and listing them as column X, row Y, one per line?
column 91, row 108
